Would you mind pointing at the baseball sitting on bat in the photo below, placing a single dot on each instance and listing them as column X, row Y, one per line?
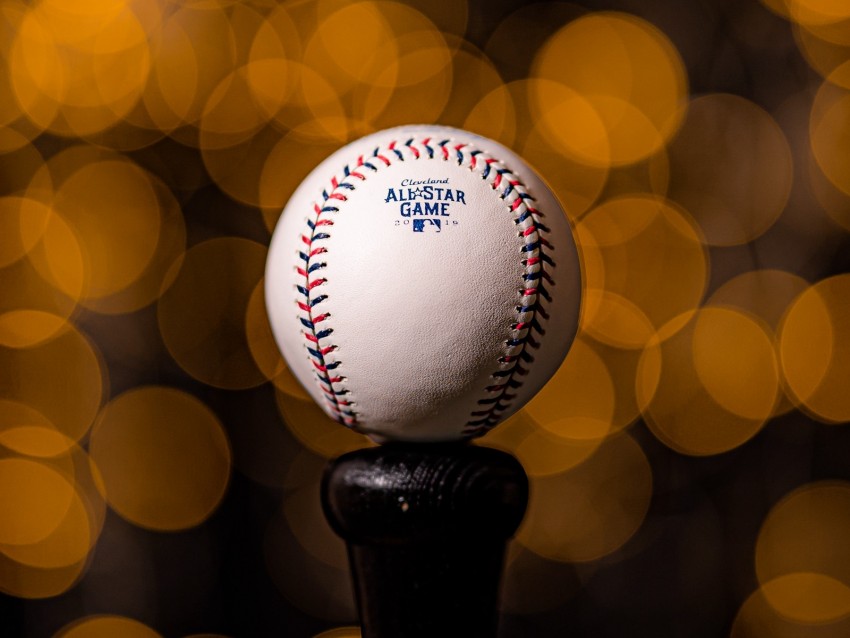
column 423, row 284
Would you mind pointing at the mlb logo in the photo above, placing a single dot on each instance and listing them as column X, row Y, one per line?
column 419, row 225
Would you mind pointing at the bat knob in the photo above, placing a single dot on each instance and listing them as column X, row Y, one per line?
column 426, row 527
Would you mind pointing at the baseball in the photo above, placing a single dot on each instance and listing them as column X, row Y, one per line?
column 423, row 284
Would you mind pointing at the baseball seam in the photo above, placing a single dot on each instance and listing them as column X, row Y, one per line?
column 532, row 296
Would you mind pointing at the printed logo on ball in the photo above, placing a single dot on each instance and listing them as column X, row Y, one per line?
column 426, row 205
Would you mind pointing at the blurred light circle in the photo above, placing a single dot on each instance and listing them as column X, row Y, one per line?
column 25, row 581
column 27, row 328
column 765, row 293
column 511, row 433
column 686, row 386
column 829, row 33
column 115, row 213
column 478, row 96
column 314, row 429
column 26, row 110
column 614, row 320
column 735, row 362
column 543, row 453
column 39, row 443
column 246, row 19
column 93, row 62
column 592, row 510
column 646, row 257
column 578, row 401
column 829, row 128
column 61, row 378
column 808, row 597
column 251, row 92
column 424, row 53
column 193, row 52
column 818, row 510
column 758, row 618
column 202, row 315
column 731, row 168
column 397, row 46
column 39, row 73
column 414, row 83
column 832, row 199
column 237, row 170
column 23, row 222
column 259, row 333
column 818, row 11
column 264, row 348
column 285, row 166
column 60, row 258
column 26, row 296
column 814, row 346
column 270, row 72
column 15, row 415
column 827, row 50
column 532, row 24
column 572, row 123
column 449, row 17
column 60, row 166
column 651, row 175
column 577, row 185
column 278, row 38
column 265, row 169
column 72, row 524
column 384, row 105
column 231, row 115
column 33, row 501
column 66, row 545
column 627, row 72
column 164, row 457
column 159, row 273
column 11, row 16
column 19, row 162
column 106, row 627
column 270, row 82
column 313, row 105
column 331, row 49
column 622, row 365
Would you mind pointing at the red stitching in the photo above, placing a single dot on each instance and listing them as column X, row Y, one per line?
column 317, row 282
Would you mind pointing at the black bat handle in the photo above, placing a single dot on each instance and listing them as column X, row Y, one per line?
column 426, row 527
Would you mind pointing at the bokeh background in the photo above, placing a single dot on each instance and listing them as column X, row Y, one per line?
column 690, row 466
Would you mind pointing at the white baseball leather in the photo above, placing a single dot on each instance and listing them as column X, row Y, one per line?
column 407, row 331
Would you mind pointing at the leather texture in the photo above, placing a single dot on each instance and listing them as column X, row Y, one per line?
column 421, row 303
